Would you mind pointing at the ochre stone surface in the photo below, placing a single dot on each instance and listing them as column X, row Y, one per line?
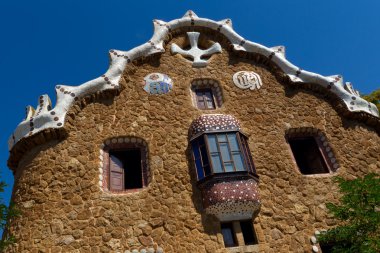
column 65, row 210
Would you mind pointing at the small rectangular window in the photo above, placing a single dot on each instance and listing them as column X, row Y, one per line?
column 238, row 233
column 228, row 233
column 248, row 232
column 308, row 157
column 205, row 99
column 125, row 169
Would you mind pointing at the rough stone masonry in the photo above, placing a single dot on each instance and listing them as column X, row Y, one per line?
column 64, row 209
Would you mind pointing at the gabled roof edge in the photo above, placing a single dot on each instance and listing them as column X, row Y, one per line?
column 45, row 117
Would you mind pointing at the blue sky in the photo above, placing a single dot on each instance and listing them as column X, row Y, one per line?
column 44, row 43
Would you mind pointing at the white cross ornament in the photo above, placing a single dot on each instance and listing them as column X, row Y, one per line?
column 195, row 52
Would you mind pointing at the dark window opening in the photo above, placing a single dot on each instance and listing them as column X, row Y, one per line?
column 308, row 156
column 201, row 158
column 248, row 232
column 205, row 99
column 229, row 236
column 125, row 169
column 326, row 248
column 238, row 233
column 221, row 153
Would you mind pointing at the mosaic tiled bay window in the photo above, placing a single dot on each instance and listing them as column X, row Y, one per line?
column 224, row 167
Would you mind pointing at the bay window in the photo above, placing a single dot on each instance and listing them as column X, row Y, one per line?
column 221, row 152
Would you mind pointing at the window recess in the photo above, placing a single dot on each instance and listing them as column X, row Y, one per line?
column 206, row 94
column 238, row 233
column 125, row 164
column 311, row 151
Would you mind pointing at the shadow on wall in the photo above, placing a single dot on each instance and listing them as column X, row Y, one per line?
column 347, row 119
column 210, row 223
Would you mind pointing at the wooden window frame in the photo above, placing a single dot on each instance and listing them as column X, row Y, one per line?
column 231, row 226
column 110, row 147
column 206, row 83
column 144, row 179
column 321, row 151
column 238, row 234
column 204, row 106
column 243, row 151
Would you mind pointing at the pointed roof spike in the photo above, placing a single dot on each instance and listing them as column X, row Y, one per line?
column 190, row 14
column 338, row 79
column 350, row 88
column 159, row 22
column 227, row 21
column 279, row 49
column 29, row 112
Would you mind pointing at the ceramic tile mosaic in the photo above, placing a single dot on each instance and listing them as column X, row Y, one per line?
column 247, row 80
column 148, row 250
column 213, row 122
column 195, row 52
column 67, row 95
column 232, row 198
column 314, row 242
column 157, row 83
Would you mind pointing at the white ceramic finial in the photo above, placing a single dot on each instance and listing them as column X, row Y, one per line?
column 195, row 52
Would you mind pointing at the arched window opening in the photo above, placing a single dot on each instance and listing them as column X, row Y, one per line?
column 311, row 151
column 206, row 94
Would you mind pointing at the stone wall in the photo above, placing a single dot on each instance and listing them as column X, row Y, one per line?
column 65, row 210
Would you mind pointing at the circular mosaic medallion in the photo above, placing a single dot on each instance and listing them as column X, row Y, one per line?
column 247, row 79
column 157, row 83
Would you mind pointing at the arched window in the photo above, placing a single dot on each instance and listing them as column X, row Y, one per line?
column 206, row 94
column 311, row 151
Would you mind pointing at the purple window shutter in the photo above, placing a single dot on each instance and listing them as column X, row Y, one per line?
column 200, row 100
column 209, row 99
column 116, row 174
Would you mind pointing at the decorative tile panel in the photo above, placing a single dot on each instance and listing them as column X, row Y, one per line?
column 157, row 83
column 247, row 79
column 231, row 197
column 213, row 122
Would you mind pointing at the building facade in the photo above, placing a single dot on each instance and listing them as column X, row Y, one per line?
column 196, row 141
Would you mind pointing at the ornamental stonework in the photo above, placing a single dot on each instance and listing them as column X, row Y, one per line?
column 247, row 80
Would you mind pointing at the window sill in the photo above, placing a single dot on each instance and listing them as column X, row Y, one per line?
column 329, row 174
column 108, row 193
column 244, row 249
